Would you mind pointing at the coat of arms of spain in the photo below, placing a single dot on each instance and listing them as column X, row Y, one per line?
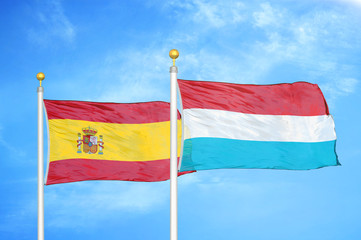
column 90, row 141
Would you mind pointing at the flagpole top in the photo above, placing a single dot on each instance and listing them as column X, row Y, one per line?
column 173, row 54
column 40, row 76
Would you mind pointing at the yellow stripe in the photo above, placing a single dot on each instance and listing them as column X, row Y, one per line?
column 122, row 142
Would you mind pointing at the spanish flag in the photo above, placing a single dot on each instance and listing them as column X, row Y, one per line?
column 108, row 141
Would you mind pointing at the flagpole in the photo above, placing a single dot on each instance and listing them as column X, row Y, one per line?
column 173, row 148
column 40, row 76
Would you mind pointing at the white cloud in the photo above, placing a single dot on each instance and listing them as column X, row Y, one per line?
column 353, row 2
column 210, row 188
column 347, row 85
column 268, row 16
column 13, row 222
column 53, row 23
column 84, row 204
column 209, row 66
column 338, row 87
column 308, row 42
column 188, row 180
column 214, row 14
column 218, row 15
column 136, row 77
column 14, row 152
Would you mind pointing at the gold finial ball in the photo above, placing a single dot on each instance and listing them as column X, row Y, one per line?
column 173, row 53
column 40, row 76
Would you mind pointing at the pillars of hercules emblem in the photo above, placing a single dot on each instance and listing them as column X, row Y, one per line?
column 79, row 143
column 101, row 143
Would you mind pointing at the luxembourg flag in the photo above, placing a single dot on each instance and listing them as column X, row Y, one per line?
column 280, row 126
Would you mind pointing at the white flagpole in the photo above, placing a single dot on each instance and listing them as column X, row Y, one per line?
column 173, row 148
column 40, row 76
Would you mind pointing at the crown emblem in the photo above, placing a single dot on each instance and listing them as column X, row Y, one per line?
column 89, row 131
column 91, row 143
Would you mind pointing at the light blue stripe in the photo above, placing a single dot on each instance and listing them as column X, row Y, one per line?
column 213, row 153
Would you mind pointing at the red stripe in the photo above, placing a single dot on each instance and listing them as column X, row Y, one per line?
column 146, row 112
column 300, row 98
column 75, row 170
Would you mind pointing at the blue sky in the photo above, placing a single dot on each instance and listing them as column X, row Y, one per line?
column 117, row 51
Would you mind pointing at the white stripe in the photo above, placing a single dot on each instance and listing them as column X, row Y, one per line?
column 256, row 127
